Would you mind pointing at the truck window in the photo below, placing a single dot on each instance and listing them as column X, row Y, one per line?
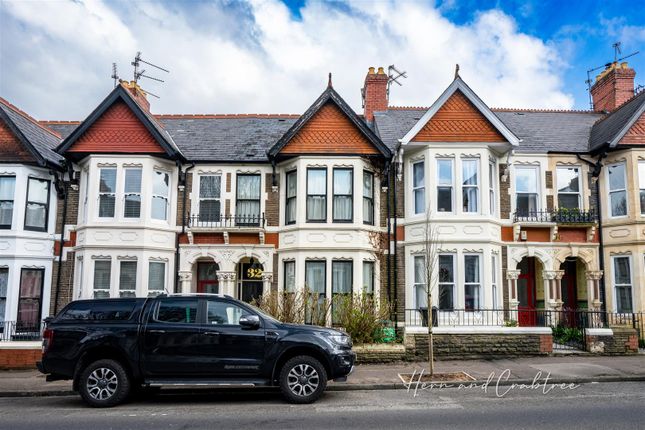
column 99, row 311
column 177, row 311
column 220, row 312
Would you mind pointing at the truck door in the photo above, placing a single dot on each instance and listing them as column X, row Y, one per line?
column 230, row 349
column 171, row 339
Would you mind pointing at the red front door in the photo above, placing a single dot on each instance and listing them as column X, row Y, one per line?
column 207, row 278
column 526, row 293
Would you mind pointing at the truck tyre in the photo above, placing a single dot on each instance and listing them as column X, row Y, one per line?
column 302, row 379
column 104, row 383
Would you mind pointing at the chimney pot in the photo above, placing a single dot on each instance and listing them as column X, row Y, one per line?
column 381, row 71
column 370, row 70
column 374, row 93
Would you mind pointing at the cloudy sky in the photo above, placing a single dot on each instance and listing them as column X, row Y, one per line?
column 273, row 56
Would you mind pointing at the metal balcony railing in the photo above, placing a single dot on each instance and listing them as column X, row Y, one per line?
column 226, row 221
column 560, row 216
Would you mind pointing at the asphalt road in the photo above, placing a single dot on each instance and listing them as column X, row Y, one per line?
column 590, row 406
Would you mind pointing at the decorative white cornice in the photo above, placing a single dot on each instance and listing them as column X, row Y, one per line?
column 612, row 253
column 526, row 163
column 470, row 155
column 159, row 259
column 127, row 257
column 248, row 171
column 106, row 165
column 209, row 172
column 440, row 156
column 132, row 165
column 101, row 257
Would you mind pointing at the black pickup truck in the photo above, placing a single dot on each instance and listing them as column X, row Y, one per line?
column 113, row 347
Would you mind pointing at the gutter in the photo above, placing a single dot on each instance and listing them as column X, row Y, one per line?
column 595, row 173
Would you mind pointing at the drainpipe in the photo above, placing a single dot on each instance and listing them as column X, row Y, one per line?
column 595, row 173
column 396, row 264
column 183, row 218
column 64, row 193
column 389, row 233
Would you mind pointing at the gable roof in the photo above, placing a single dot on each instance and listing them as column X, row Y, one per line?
column 459, row 85
column 611, row 129
column 120, row 93
column 39, row 140
column 330, row 96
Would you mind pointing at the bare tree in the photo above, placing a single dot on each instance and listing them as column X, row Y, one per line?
column 431, row 274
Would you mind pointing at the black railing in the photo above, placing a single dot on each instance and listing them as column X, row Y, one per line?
column 560, row 216
column 19, row 331
column 225, row 221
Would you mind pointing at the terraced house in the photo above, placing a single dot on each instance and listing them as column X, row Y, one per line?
column 533, row 209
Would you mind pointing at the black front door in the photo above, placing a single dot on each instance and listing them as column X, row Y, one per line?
column 230, row 350
column 172, row 339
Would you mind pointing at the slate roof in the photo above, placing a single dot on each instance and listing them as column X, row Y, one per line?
column 40, row 140
column 227, row 138
column 613, row 127
column 63, row 128
column 540, row 131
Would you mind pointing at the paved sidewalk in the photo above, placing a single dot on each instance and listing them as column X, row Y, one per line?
column 385, row 376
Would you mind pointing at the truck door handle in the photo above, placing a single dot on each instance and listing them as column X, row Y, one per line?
column 157, row 331
column 211, row 333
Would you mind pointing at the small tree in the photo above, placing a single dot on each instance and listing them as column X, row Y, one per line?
column 431, row 275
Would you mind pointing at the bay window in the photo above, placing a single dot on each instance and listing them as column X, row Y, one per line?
column 210, row 187
column 30, row 299
column 290, row 276
column 343, row 195
column 641, row 185
column 341, row 286
column 446, row 282
column 420, row 294
column 368, row 277
column 290, row 200
column 617, row 190
column 470, row 185
column 444, row 185
column 623, row 284
column 132, row 194
column 7, row 190
column 128, row 279
column 472, row 283
column 156, row 278
column 102, row 274
column 315, row 281
column 526, row 191
column 316, row 194
column 492, row 183
column 4, row 284
column 160, row 190
column 107, row 192
column 247, row 205
column 368, row 197
column 418, row 187
column 568, row 181
column 37, row 207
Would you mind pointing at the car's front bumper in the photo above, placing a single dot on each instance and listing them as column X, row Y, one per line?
column 343, row 365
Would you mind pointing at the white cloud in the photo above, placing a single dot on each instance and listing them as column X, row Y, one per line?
column 256, row 57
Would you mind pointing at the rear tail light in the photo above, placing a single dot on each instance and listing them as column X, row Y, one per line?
column 48, row 339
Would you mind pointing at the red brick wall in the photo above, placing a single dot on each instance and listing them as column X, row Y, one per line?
column 19, row 358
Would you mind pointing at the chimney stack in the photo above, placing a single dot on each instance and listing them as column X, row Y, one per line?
column 137, row 93
column 374, row 93
column 613, row 87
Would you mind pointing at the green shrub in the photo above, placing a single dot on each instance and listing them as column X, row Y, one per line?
column 361, row 317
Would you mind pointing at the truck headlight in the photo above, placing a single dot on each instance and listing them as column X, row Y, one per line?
column 341, row 339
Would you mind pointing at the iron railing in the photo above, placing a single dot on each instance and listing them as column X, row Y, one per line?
column 226, row 221
column 18, row 331
column 560, row 216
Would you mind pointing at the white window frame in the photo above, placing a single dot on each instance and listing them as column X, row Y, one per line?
column 166, row 198
column 450, row 185
column 293, row 264
column 200, row 198
column 493, row 278
column 12, row 200
column 569, row 193
column 155, row 292
column 418, row 284
column 421, row 187
column 479, row 284
column 616, row 285
column 619, row 190
column 104, row 193
column 641, row 185
column 538, row 187
column 464, row 187
column 492, row 186
column 453, row 284
column 130, row 193
column 109, row 287
column 372, row 280
column 130, row 292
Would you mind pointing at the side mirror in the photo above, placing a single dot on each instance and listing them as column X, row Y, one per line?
column 250, row 322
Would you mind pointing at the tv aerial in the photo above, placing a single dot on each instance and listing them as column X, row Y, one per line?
column 141, row 73
column 617, row 52
column 393, row 75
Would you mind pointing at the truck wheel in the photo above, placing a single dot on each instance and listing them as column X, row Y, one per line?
column 104, row 383
column 302, row 379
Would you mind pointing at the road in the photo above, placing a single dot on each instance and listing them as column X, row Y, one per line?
column 590, row 406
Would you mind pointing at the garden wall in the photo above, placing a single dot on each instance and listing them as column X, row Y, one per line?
column 612, row 341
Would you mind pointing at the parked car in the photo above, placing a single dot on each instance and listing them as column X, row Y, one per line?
column 112, row 347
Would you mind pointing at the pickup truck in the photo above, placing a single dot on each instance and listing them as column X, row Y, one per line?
column 111, row 348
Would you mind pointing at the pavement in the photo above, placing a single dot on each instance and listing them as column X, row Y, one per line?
column 571, row 369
